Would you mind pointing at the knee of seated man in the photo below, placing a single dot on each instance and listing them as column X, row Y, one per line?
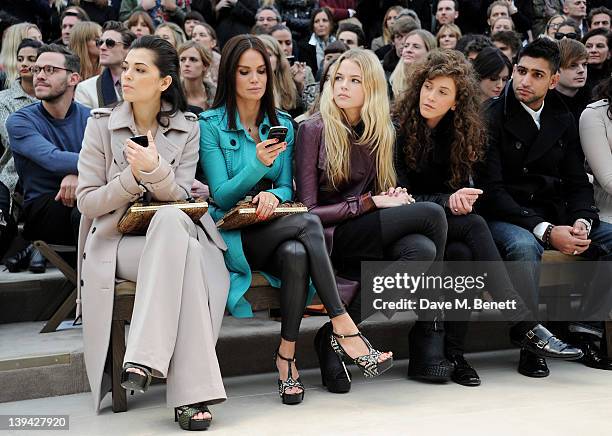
column 524, row 247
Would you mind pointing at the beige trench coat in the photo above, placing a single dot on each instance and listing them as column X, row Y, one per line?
column 105, row 190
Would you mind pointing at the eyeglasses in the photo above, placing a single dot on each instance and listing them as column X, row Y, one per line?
column 48, row 69
column 571, row 35
column 110, row 43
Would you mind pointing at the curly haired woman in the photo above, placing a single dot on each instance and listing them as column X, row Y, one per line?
column 441, row 139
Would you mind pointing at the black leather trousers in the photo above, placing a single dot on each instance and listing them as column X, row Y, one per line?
column 293, row 249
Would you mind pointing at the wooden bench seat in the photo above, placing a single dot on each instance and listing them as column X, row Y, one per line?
column 262, row 296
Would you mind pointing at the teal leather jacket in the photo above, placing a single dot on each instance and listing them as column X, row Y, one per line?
column 231, row 168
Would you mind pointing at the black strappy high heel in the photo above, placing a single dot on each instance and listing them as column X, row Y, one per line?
column 283, row 386
column 184, row 415
column 368, row 363
column 132, row 381
column 334, row 373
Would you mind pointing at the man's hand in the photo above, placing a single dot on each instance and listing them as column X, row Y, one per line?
column 580, row 230
column 562, row 239
column 67, row 192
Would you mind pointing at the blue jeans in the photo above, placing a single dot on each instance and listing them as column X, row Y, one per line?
column 516, row 243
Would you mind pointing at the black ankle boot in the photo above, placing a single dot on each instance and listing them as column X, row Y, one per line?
column 334, row 374
column 427, row 359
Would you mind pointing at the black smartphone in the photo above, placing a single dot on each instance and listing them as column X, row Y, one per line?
column 278, row 132
column 291, row 60
column 141, row 140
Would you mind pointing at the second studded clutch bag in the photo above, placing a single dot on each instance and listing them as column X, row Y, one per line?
column 243, row 214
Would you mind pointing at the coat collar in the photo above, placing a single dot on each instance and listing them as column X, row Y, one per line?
column 122, row 117
column 265, row 124
column 554, row 121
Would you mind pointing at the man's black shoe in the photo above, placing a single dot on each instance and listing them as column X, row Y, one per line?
column 532, row 365
column 593, row 357
column 464, row 374
column 38, row 263
column 20, row 261
column 542, row 342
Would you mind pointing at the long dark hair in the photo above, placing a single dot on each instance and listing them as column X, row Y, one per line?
column 469, row 133
column 226, row 89
column 490, row 62
column 167, row 62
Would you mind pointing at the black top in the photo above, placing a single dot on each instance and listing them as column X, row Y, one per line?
column 577, row 103
column 430, row 180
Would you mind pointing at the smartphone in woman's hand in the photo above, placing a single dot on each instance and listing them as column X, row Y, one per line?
column 277, row 132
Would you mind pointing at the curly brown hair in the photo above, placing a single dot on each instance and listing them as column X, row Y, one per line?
column 469, row 132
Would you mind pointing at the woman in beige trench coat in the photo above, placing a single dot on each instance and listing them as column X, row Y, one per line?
column 182, row 282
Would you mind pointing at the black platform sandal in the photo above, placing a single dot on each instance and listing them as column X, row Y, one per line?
column 132, row 381
column 334, row 373
column 289, row 383
column 184, row 415
column 368, row 363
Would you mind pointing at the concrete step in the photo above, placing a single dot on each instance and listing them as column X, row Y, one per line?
column 34, row 365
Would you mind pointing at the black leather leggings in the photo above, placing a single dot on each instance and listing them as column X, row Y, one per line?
column 293, row 249
column 415, row 232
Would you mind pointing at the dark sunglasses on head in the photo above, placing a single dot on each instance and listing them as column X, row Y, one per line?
column 571, row 35
column 110, row 43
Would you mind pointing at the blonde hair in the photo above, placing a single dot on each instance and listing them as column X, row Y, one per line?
column 387, row 32
column 179, row 35
column 285, row 91
column 399, row 76
column 378, row 134
column 450, row 27
column 82, row 33
column 205, row 56
column 11, row 39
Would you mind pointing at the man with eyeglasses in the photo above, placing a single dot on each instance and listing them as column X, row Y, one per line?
column 46, row 139
column 267, row 17
column 105, row 89
column 577, row 11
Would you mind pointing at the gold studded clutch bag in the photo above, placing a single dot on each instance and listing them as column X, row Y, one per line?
column 243, row 214
column 136, row 219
